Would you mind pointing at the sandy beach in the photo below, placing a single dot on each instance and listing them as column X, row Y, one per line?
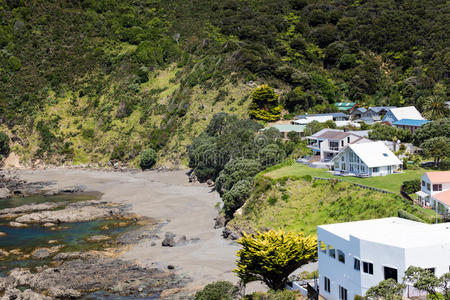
column 188, row 208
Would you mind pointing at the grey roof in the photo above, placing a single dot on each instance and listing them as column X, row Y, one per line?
column 333, row 135
column 360, row 109
column 334, row 115
column 377, row 109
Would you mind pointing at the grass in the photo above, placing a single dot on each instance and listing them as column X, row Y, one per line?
column 302, row 205
column 390, row 183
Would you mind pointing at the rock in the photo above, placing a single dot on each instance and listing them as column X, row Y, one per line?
column 229, row 234
column 170, row 267
column 17, row 224
column 74, row 189
column 98, row 238
column 2, row 234
column 61, row 292
column 169, row 240
column 48, row 224
column 220, row 222
column 42, row 253
column 4, row 193
column 31, row 208
column 53, row 241
column 15, row 252
column 153, row 244
column 16, row 294
column 3, row 253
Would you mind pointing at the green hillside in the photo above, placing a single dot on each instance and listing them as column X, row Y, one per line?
column 98, row 81
column 299, row 205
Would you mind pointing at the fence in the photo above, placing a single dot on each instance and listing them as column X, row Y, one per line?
column 355, row 184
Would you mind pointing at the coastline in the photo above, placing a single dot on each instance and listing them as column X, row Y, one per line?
column 187, row 209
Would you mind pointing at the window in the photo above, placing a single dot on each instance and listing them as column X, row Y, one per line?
column 390, row 273
column 327, row 284
column 367, row 267
column 341, row 256
column 322, row 247
column 343, row 158
column 385, row 154
column 348, row 139
column 423, row 183
column 428, row 186
column 331, row 251
column 336, row 165
column 431, row 270
column 375, row 170
column 342, row 143
column 342, row 293
column 357, row 264
column 437, row 187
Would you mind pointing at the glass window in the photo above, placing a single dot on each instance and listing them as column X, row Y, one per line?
column 431, row 270
column 423, row 183
column 327, row 284
column 375, row 170
column 331, row 251
column 357, row 264
column 341, row 256
column 437, row 187
column 343, row 159
column 428, row 186
column 336, row 165
column 368, row 267
column 342, row 293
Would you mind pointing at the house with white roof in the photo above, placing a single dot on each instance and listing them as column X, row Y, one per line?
column 434, row 190
column 284, row 129
column 399, row 113
column 321, row 118
column 365, row 160
column 328, row 142
column 356, row 256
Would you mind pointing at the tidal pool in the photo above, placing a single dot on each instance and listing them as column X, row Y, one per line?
column 72, row 236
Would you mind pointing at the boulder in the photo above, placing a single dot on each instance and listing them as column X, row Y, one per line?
column 48, row 224
column 98, row 238
column 219, row 222
column 3, row 253
column 169, row 240
column 60, row 292
column 4, row 193
column 17, row 224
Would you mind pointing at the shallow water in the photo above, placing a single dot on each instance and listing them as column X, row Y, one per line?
column 71, row 235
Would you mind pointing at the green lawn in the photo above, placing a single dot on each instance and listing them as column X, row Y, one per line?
column 390, row 182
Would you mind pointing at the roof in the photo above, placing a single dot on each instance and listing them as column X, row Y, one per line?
column 345, row 105
column 334, row 135
column 439, row 176
column 363, row 133
column 360, row 109
column 287, row 127
column 393, row 231
column 334, row 115
column 375, row 154
column 410, row 122
column 377, row 109
column 408, row 112
column 443, row 197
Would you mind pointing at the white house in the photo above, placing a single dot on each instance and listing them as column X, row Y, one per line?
column 321, row 118
column 366, row 159
column 356, row 256
column 399, row 113
column 433, row 183
column 328, row 142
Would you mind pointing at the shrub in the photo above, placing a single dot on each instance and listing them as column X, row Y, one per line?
column 219, row 290
column 148, row 158
column 275, row 295
column 236, row 197
column 4, row 144
column 411, row 186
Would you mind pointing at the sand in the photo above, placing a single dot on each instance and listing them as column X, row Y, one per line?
column 188, row 208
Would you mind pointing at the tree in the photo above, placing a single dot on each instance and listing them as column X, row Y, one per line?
column 236, row 170
column 270, row 155
column 411, row 186
column 431, row 130
column 387, row 289
column 273, row 255
column 383, row 132
column 425, row 280
column 435, row 108
column 4, row 144
column 148, row 158
column 265, row 105
column 219, row 290
column 236, row 197
column 437, row 147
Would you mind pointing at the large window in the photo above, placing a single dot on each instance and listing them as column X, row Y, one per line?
column 367, row 267
column 331, row 251
column 431, row 270
column 327, row 284
column 376, row 170
column 341, row 256
column 342, row 293
column 357, row 265
column 423, row 183
column 437, row 187
column 428, row 186
column 390, row 273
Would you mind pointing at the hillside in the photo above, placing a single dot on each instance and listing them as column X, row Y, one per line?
column 98, row 81
column 299, row 205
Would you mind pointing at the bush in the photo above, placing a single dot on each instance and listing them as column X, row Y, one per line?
column 236, row 197
column 275, row 295
column 411, row 186
column 148, row 158
column 4, row 144
column 219, row 290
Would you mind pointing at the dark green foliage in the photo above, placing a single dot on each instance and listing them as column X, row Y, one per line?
column 236, row 170
column 431, row 130
column 386, row 289
column 409, row 216
column 4, row 144
column 236, row 197
column 437, row 148
column 219, row 290
column 148, row 158
column 389, row 133
column 411, row 186
column 270, row 155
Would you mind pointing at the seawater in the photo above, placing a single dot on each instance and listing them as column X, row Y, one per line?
column 71, row 235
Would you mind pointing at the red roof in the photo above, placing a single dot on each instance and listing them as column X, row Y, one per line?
column 439, row 176
column 444, row 197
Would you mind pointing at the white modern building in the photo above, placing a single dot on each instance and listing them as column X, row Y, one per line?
column 365, row 160
column 356, row 256
column 321, row 118
column 434, row 183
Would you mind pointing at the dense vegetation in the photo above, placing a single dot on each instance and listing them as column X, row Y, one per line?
column 98, row 81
